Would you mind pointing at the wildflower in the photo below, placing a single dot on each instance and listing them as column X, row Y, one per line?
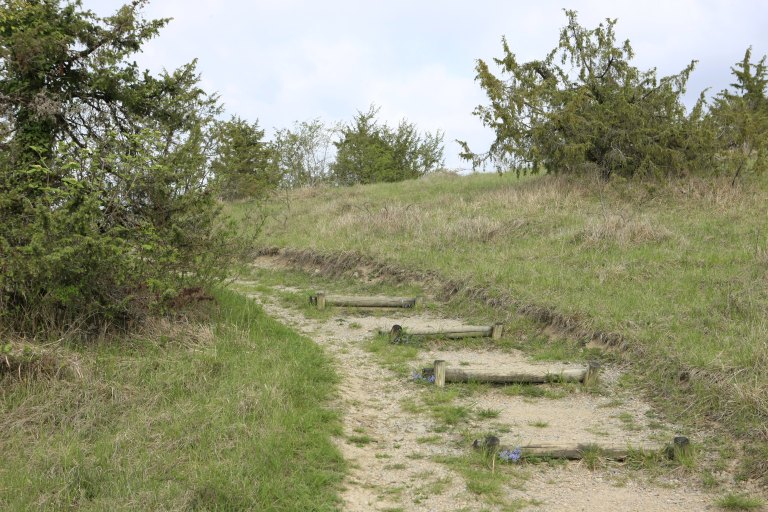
column 418, row 377
column 511, row 455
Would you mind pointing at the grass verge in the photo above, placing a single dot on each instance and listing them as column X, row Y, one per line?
column 231, row 415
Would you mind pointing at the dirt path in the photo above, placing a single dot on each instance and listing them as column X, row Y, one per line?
column 392, row 450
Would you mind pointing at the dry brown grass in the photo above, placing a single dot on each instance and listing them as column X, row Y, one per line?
column 22, row 360
column 25, row 360
column 716, row 192
column 481, row 229
column 761, row 257
column 387, row 219
column 623, row 230
column 551, row 193
column 500, row 215
column 190, row 334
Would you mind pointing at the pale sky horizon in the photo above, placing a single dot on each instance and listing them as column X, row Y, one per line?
column 296, row 60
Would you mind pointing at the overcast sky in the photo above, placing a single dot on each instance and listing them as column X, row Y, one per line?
column 280, row 61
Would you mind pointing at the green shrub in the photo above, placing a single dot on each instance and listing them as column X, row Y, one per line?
column 370, row 152
column 740, row 119
column 244, row 163
column 122, row 233
column 105, row 206
column 585, row 108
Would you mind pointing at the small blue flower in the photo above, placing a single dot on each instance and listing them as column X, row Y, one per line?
column 418, row 377
column 511, row 455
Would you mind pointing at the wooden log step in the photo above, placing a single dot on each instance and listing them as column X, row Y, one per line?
column 576, row 451
column 615, row 451
column 322, row 300
column 585, row 374
column 453, row 332
column 466, row 331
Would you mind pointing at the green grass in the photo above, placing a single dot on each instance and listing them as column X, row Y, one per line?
column 393, row 356
column 451, row 415
column 734, row 501
column 679, row 270
column 592, row 458
column 234, row 417
column 628, row 422
column 360, row 440
column 435, row 487
column 485, row 414
column 489, row 479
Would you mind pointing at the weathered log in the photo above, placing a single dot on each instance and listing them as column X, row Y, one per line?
column 575, row 451
column 614, row 451
column 459, row 335
column 512, row 377
column 467, row 331
column 323, row 300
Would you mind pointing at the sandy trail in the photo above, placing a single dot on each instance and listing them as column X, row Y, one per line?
column 391, row 451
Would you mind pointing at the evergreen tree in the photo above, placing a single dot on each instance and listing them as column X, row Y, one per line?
column 370, row 152
column 741, row 118
column 584, row 107
column 244, row 163
column 105, row 210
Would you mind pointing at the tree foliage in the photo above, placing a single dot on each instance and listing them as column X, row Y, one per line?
column 243, row 163
column 741, row 118
column 584, row 107
column 105, row 210
column 371, row 152
column 304, row 154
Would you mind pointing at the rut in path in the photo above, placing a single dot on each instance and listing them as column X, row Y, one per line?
column 403, row 458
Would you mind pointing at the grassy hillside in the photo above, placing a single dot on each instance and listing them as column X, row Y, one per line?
column 681, row 270
column 187, row 417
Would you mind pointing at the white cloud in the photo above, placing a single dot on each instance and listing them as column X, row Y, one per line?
column 434, row 99
column 286, row 60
